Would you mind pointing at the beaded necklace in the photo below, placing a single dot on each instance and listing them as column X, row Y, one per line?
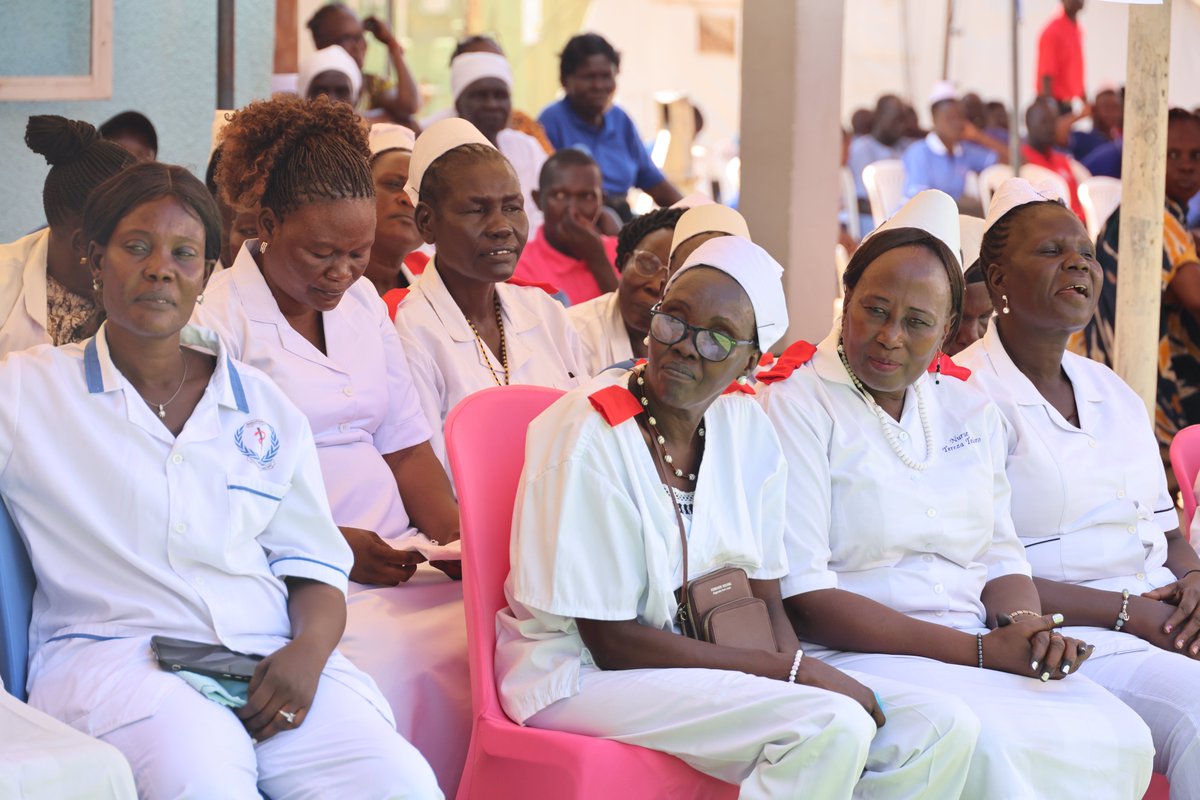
column 483, row 351
column 881, row 415
column 658, row 437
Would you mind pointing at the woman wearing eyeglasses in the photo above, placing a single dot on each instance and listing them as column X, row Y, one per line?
column 589, row 643
column 612, row 327
column 904, row 562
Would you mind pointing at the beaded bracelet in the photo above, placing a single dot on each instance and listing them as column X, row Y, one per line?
column 1024, row 612
column 795, row 665
column 1123, row 616
column 979, row 643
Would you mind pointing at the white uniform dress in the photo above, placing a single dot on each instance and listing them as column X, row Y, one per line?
column 359, row 399
column 1091, row 507
column 601, row 331
column 594, row 536
column 23, row 292
column 925, row 544
column 445, row 358
column 527, row 156
column 134, row 532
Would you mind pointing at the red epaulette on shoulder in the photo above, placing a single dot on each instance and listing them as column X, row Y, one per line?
column 548, row 288
column 392, row 298
column 416, row 261
column 948, row 367
column 766, row 361
column 739, row 388
column 616, row 404
column 798, row 354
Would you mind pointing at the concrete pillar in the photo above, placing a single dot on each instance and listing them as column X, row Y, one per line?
column 790, row 148
column 1143, row 181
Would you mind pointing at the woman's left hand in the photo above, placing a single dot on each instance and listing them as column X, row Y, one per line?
column 1184, row 594
column 282, row 690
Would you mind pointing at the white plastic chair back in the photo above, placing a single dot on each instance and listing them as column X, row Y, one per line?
column 1099, row 197
column 1080, row 172
column 990, row 180
column 885, row 188
column 850, row 203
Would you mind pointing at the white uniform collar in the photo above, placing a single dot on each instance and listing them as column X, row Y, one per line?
column 934, row 143
column 1020, row 387
column 103, row 376
column 517, row 318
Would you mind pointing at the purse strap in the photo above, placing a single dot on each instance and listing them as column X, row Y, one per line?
column 657, row 457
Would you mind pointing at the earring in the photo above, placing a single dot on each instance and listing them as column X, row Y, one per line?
column 937, row 370
column 1004, row 310
column 96, row 285
column 83, row 261
column 743, row 380
column 646, row 341
column 200, row 299
column 262, row 246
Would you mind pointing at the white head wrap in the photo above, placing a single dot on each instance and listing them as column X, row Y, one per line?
column 970, row 230
column 934, row 212
column 942, row 90
column 467, row 68
column 329, row 59
column 434, row 142
column 710, row 218
column 756, row 272
column 1017, row 192
column 386, row 136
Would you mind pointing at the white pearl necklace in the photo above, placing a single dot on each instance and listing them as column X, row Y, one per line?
column 881, row 415
column 662, row 440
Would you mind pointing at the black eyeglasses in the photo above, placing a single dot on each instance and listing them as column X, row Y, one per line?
column 711, row 345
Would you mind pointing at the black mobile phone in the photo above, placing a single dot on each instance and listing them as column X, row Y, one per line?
column 213, row 660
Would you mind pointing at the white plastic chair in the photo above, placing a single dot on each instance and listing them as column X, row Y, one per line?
column 1035, row 174
column 1080, row 172
column 885, row 188
column 1099, row 197
column 990, row 180
column 850, row 203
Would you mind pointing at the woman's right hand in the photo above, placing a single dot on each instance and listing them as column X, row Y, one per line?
column 377, row 562
column 1030, row 647
column 819, row 675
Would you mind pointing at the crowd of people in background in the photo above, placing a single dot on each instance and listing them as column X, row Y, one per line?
column 949, row 514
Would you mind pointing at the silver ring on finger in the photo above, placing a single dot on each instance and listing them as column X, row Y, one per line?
column 290, row 716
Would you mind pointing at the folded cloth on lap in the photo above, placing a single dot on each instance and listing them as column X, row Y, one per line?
column 222, row 691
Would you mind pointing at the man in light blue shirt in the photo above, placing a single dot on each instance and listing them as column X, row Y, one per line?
column 952, row 149
column 886, row 140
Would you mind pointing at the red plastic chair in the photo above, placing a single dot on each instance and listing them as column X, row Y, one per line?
column 485, row 444
column 1159, row 788
column 1185, row 463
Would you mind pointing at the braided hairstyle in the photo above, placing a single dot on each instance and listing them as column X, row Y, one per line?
column 434, row 182
column 79, row 162
column 639, row 228
column 288, row 152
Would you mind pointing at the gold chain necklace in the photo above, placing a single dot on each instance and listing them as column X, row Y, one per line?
column 483, row 351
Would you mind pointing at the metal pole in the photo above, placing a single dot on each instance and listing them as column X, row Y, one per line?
column 225, row 26
column 1143, row 187
column 946, row 43
column 1014, row 118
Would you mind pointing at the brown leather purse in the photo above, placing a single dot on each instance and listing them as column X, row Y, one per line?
column 718, row 607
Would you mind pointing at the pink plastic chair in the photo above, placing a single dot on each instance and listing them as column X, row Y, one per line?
column 485, row 443
column 1185, row 463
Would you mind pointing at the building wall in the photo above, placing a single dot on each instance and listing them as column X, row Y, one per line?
column 164, row 65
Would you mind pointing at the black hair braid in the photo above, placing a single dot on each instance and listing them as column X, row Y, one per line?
column 317, row 168
column 639, row 228
column 79, row 162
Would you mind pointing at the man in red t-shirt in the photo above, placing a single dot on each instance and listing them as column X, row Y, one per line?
column 1041, row 122
column 1060, row 56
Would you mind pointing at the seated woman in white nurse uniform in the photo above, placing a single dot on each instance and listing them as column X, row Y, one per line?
column 903, row 558
column 1089, row 495
column 295, row 304
column 464, row 328
column 395, row 260
column 613, row 327
column 46, row 291
column 589, row 643
column 197, row 513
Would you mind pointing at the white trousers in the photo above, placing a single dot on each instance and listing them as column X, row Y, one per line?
column 1164, row 689
column 412, row 639
column 1067, row 738
column 194, row 748
column 775, row 739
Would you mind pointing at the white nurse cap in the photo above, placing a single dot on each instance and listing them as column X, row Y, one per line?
column 329, row 59
column 970, row 230
column 710, row 218
column 934, row 212
column 438, row 139
column 388, row 136
column 467, row 68
column 1017, row 192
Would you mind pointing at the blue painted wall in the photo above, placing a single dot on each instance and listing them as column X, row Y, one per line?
column 164, row 65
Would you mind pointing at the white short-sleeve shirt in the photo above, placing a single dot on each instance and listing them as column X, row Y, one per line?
column 132, row 531
column 594, row 532
column 445, row 359
column 358, row 395
column 1089, row 503
column 601, row 331
column 923, row 543
column 23, row 292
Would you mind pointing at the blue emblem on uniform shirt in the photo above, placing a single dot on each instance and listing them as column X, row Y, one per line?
column 258, row 442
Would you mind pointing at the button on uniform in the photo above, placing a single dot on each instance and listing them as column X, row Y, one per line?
column 177, row 459
column 931, row 512
column 180, row 527
column 938, row 589
column 904, row 436
column 1120, row 493
column 348, row 391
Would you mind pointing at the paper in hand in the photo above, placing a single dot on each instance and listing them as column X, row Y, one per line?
column 426, row 547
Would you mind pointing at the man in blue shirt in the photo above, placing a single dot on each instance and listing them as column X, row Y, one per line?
column 952, row 149
column 886, row 140
column 586, row 119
